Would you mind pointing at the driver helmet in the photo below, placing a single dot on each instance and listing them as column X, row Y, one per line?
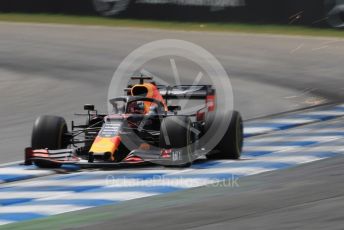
column 137, row 107
column 153, row 109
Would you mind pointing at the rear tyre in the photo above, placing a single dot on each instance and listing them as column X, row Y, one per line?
column 231, row 144
column 175, row 134
column 49, row 132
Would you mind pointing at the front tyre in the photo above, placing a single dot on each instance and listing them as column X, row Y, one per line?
column 49, row 132
column 175, row 134
column 231, row 144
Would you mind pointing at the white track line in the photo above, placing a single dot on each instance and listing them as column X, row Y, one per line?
column 11, row 163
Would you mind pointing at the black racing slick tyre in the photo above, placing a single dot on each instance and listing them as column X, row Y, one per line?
column 49, row 132
column 231, row 144
column 175, row 134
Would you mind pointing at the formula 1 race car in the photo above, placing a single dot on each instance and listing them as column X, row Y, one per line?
column 142, row 129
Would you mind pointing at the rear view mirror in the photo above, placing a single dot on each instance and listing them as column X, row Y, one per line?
column 174, row 108
column 89, row 107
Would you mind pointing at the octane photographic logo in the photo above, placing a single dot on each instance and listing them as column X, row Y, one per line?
column 208, row 65
column 230, row 181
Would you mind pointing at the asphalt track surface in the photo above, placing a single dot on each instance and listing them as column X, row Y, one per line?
column 306, row 197
column 48, row 69
column 55, row 69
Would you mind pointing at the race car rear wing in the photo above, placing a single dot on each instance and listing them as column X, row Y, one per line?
column 186, row 91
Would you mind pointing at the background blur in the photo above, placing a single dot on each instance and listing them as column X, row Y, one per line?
column 317, row 13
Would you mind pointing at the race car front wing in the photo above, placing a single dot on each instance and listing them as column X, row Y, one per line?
column 69, row 157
